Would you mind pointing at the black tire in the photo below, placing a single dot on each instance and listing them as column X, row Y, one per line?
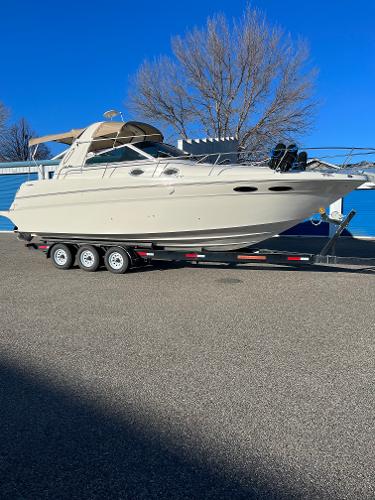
column 302, row 160
column 289, row 159
column 277, row 155
column 62, row 256
column 88, row 258
column 116, row 260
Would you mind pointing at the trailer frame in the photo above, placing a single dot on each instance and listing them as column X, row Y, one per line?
column 140, row 254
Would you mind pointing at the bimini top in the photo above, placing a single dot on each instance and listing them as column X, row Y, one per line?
column 107, row 134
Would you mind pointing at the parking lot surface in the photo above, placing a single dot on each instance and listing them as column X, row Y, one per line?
column 185, row 382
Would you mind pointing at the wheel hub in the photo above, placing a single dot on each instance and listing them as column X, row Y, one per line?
column 116, row 260
column 87, row 258
column 60, row 257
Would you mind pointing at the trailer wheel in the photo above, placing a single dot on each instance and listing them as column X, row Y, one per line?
column 88, row 258
column 62, row 256
column 116, row 260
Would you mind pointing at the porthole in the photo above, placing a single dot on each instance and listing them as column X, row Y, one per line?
column 137, row 171
column 245, row 189
column 171, row 171
column 280, row 188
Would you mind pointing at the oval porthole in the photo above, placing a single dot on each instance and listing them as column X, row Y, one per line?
column 171, row 171
column 137, row 171
column 245, row 189
column 280, row 188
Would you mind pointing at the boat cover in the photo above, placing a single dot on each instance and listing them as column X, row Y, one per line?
column 106, row 134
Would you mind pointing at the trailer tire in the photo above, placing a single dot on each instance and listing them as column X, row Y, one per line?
column 88, row 258
column 62, row 256
column 116, row 260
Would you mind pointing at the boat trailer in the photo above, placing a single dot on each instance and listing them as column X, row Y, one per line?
column 119, row 257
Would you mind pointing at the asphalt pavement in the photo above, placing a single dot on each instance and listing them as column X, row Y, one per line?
column 185, row 382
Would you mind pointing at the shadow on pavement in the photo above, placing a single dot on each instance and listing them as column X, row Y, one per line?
column 55, row 444
column 165, row 266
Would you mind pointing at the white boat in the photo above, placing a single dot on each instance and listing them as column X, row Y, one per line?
column 118, row 182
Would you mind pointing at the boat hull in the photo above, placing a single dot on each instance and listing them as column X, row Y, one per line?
column 214, row 214
column 219, row 239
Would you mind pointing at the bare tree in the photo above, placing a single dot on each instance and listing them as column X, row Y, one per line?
column 3, row 119
column 3, row 115
column 14, row 143
column 244, row 78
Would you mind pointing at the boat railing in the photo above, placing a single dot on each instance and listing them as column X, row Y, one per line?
column 134, row 163
column 340, row 154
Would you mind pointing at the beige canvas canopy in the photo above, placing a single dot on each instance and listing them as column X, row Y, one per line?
column 107, row 134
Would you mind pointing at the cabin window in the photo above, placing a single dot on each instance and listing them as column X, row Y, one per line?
column 136, row 171
column 280, row 188
column 159, row 149
column 245, row 189
column 171, row 171
column 115, row 156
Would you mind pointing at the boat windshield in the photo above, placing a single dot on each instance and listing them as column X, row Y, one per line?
column 125, row 153
column 160, row 150
column 116, row 156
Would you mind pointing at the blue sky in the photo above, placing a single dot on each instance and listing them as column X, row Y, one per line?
column 63, row 64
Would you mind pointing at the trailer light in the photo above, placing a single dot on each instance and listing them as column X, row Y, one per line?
column 43, row 247
column 194, row 256
column 251, row 257
column 298, row 258
column 145, row 254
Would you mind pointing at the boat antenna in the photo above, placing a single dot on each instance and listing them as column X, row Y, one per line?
column 108, row 115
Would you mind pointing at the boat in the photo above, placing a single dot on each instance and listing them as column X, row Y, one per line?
column 119, row 182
